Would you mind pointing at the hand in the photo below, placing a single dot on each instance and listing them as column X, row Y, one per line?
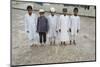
column 77, row 31
column 59, row 30
column 27, row 31
column 69, row 30
column 56, row 31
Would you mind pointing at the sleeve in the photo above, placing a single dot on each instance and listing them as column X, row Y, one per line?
column 78, row 24
column 37, row 24
column 70, row 26
column 59, row 23
column 47, row 25
column 48, row 22
column 69, row 23
column 36, row 20
column 26, row 24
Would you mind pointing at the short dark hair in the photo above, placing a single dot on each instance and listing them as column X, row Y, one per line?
column 29, row 7
column 64, row 9
column 75, row 9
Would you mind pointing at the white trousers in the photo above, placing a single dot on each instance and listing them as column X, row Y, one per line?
column 72, row 37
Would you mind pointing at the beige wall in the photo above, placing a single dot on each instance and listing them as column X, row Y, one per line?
column 58, row 7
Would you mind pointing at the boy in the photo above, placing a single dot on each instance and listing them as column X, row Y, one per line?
column 75, row 26
column 52, row 19
column 30, row 25
column 42, row 27
column 64, row 27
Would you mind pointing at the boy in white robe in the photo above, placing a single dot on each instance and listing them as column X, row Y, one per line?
column 52, row 19
column 30, row 25
column 74, row 26
column 64, row 27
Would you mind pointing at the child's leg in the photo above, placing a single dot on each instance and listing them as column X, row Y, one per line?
column 61, row 42
column 64, row 42
column 70, row 38
column 44, row 37
column 74, row 39
column 31, row 43
column 50, row 38
column 53, row 40
column 40, row 36
column 70, row 42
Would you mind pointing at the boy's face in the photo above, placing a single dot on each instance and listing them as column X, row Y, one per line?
column 41, row 13
column 64, row 13
column 75, row 12
column 52, row 13
column 29, row 11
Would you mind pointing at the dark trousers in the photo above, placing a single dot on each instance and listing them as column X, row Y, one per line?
column 42, row 36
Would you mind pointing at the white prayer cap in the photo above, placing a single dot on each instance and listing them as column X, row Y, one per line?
column 41, row 10
column 52, row 9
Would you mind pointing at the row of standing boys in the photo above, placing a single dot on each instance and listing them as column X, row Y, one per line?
column 52, row 28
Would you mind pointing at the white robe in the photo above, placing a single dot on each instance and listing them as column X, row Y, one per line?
column 52, row 26
column 64, row 23
column 30, row 25
column 75, row 24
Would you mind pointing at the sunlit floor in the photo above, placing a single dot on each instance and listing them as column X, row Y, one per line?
column 23, row 54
